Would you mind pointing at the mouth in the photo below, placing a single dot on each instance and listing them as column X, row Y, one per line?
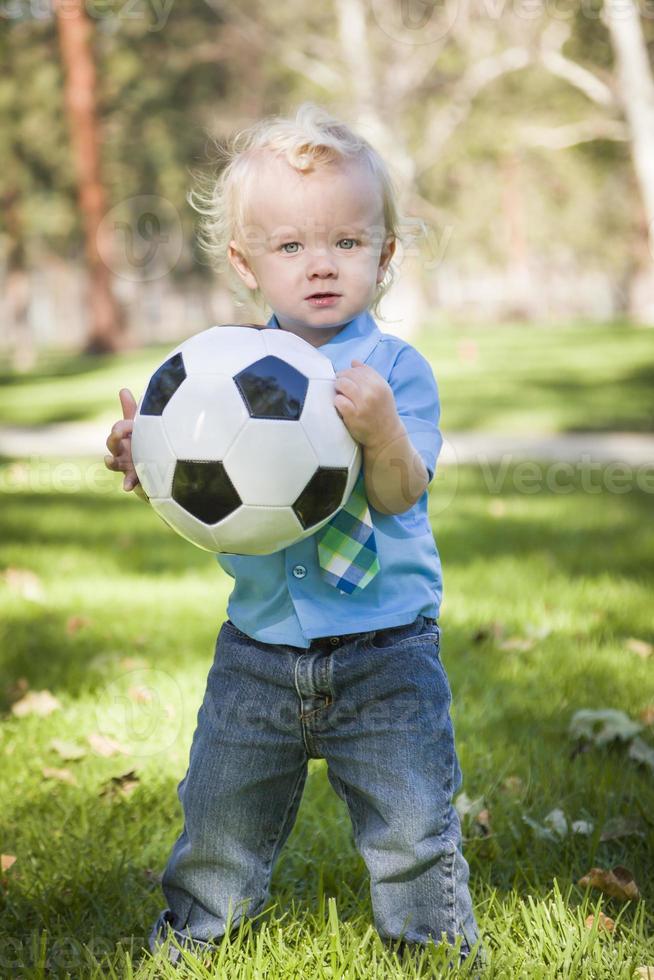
column 322, row 295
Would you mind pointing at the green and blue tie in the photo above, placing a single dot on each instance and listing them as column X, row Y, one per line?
column 347, row 550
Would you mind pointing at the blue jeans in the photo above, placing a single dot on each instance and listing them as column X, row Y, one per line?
column 375, row 705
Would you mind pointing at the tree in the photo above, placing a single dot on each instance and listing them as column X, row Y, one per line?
column 106, row 323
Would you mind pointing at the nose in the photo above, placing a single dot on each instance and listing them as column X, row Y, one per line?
column 321, row 264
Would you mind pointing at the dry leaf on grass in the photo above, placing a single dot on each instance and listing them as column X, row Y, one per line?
column 513, row 785
column 24, row 582
column 640, row 647
column 63, row 775
column 603, row 726
column 76, row 623
column 67, row 750
column 603, row 922
column 641, row 752
column 140, row 693
column 105, row 746
column 123, row 784
column 647, row 715
column 133, row 663
column 520, row 643
column 35, row 703
column 17, row 689
column 6, row 861
column 622, row 827
column 618, row 882
column 644, row 973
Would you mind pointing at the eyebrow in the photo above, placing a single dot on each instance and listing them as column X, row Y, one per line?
column 347, row 231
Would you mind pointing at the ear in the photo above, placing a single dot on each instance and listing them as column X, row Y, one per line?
column 239, row 262
column 387, row 253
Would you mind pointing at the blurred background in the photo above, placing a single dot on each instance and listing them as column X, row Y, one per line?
column 521, row 136
column 520, row 132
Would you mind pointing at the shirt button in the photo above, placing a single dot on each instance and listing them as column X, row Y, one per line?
column 299, row 571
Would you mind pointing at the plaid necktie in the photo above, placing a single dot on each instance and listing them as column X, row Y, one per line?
column 347, row 550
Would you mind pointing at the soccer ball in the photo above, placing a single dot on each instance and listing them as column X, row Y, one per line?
column 238, row 444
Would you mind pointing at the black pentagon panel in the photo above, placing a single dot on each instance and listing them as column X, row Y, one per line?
column 321, row 496
column 204, row 490
column 272, row 389
column 162, row 386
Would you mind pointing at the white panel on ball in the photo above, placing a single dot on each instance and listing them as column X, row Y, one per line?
column 271, row 462
column 218, row 413
column 297, row 352
column 185, row 524
column 227, row 349
column 324, row 427
column 154, row 459
column 257, row 530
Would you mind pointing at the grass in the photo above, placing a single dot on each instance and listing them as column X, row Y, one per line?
column 567, row 574
column 508, row 378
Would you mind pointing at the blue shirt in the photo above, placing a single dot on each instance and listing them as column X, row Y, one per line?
column 283, row 598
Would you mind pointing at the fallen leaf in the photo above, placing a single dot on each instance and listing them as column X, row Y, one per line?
column 557, row 821
column 497, row 508
column 105, row 746
column 76, row 623
column 36, row 703
column 494, row 631
column 520, row 643
column 63, row 775
column 647, row 715
column 17, row 689
column 513, row 785
column 67, row 750
column 482, row 821
column 123, row 784
column 6, row 861
column 133, row 663
column 603, row 922
column 582, row 827
column 603, row 726
column 621, row 827
column 641, row 752
column 24, row 583
column 543, row 832
column 140, row 693
column 618, row 883
column 644, row 972
column 640, row 647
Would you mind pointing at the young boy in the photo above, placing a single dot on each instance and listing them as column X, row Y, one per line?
column 307, row 667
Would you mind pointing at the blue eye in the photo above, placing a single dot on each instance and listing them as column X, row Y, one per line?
column 352, row 243
column 293, row 246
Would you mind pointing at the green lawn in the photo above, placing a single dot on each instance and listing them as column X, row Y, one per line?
column 508, row 378
column 543, row 591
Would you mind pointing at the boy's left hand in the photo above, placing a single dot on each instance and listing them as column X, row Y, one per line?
column 365, row 402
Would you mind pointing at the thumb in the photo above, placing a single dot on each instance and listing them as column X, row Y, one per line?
column 127, row 403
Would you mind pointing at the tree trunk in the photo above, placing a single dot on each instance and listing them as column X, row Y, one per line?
column 636, row 87
column 105, row 320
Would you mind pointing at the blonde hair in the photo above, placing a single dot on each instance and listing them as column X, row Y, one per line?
column 311, row 139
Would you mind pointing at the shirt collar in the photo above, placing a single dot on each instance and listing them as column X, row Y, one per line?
column 355, row 340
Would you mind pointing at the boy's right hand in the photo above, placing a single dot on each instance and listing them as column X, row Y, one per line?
column 119, row 442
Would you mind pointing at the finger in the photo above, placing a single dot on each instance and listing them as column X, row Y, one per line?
column 111, row 462
column 127, row 403
column 347, row 383
column 342, row 402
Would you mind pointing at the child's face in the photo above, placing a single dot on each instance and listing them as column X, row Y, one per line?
column 320, row 233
